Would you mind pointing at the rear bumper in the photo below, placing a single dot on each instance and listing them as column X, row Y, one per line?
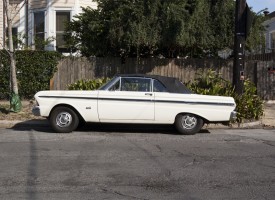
column 36, row 111
column 233, row 116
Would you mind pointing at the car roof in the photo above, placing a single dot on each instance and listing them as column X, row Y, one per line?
column 173, row 85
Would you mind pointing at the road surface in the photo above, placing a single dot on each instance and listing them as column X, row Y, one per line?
column 129, row 163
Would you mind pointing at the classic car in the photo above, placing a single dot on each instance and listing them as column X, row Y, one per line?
column 134, row 98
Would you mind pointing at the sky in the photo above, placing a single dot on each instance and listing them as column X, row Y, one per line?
column 258, row 5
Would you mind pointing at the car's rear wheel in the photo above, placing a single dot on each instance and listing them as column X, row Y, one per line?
column 64, row 120
column 188, row 124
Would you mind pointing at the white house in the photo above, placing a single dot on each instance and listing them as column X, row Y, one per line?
column 270, row 32
column 42, row 19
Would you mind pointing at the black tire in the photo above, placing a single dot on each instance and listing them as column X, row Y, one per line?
column 188, row 124
column 64, row 120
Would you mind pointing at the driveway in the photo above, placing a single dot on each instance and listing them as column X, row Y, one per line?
column 133, row 164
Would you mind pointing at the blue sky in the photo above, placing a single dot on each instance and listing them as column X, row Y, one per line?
column 258, row 5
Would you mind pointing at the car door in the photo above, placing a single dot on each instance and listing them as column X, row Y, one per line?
column 128, row 99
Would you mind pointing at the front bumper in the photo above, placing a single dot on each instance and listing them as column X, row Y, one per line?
column 36, row 111
column 233, row 116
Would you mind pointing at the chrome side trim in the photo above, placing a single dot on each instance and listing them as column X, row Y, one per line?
column 143, row 100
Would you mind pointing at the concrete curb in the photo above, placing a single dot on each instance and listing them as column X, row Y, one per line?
column 256, row 124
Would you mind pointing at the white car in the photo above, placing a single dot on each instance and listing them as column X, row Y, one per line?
column 134, row 98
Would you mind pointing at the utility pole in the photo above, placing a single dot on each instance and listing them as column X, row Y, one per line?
column 239, row 44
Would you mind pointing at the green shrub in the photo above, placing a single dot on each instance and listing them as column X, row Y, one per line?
column 34, row 71
column 248, row 105
column 4, row 75
column 211, row 83
column 87, row 84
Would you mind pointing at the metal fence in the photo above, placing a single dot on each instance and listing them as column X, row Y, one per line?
column 73, row 69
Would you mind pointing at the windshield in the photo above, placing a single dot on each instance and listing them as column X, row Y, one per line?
column 108, row 84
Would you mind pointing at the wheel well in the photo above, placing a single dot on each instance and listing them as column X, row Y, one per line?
column 204, row 120
column 71, row 107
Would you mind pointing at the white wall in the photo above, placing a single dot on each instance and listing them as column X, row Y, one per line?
column 49, row 7
column 53, row 6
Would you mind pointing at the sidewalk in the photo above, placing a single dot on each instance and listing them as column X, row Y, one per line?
column 269, row 114
column 267, row 121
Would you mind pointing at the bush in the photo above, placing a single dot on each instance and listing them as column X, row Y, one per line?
column 87, row 84
column 248, row 105
column 211, row 83
column 34, row 71
column 4, row 75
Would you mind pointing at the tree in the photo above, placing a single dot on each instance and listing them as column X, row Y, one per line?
column 256, row 40
column 11, row 10
column 172, row 28
column 174, row 17
column 197, row 28
column 115, row 28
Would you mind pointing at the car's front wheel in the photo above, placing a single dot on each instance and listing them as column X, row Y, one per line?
column 188, row 124
column 64, row 120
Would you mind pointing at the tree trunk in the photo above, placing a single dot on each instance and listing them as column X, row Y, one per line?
column 15, row 104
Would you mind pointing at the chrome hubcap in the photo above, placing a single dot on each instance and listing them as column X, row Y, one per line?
column 188, row 122
column 63, row 119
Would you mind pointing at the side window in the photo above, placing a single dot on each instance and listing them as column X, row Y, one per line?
column 159, row 87
column 136, row 84
column 115, row 87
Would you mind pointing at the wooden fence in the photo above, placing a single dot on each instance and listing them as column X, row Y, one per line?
column 73, row 69
column 262, row 57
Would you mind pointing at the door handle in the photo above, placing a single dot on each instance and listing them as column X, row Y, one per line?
column 148, row 94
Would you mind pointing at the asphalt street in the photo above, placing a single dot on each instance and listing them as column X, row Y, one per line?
column 136, row 163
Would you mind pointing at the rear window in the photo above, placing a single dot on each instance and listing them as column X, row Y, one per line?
column 159, row 87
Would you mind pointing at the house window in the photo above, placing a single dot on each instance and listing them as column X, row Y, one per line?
column 61, row 19
column 14, row 37
column 272, row 40
column 39, row 30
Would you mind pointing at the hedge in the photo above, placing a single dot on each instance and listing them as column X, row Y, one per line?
column 34, row 71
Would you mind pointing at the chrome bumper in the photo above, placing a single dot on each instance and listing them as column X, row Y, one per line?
column 233, row 116
column 36, row 111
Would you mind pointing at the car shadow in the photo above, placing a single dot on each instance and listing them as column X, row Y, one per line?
column 40, row 125
column 44, row 126
column 128, row 128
